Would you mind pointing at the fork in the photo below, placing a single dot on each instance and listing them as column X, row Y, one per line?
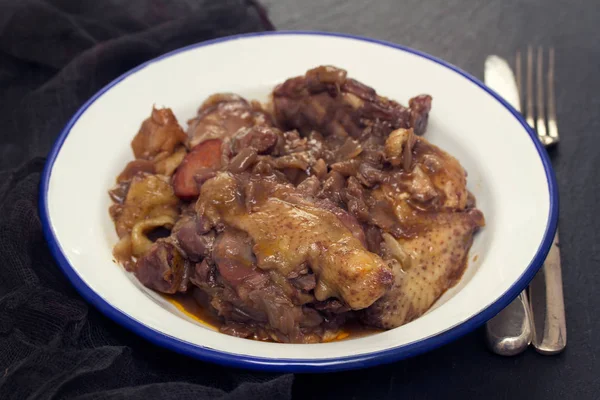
column 546, row 289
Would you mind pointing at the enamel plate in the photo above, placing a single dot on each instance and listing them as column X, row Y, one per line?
column 509, row 173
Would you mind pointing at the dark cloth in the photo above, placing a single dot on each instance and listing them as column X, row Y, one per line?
column 53, row 56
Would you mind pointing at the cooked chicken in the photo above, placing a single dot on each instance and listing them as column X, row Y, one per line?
column 221, row 116
column 163, row 268
column 433, row 238
column 287, row 225
column 431, row 177
column 144, row 202
column 424, row 267
column 148, row 196
column 288, row 232
column 158, row 136
column 327, row 101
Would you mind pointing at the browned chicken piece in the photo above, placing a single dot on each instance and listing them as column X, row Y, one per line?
column 148, row 203
column 326, row 100
column 289, row 232
column 221, row 116
column 422, row 178
column 261, row 295
column 426, row 210
column 193, row 237
column 163, row 268
column 263, row 305
column 424, row 267
column 149, row 196
column 434, row 176
column 158, row 136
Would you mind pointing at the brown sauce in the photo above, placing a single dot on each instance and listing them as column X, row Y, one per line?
column 187, row 305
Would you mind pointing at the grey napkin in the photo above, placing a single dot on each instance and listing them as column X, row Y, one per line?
column 54, row 55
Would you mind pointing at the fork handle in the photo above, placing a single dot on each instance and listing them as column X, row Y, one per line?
column 509, row 333
column 547, row 303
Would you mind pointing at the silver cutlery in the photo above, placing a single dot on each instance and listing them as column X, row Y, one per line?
column 542, row 319
column 546, row 289
column 510, row 332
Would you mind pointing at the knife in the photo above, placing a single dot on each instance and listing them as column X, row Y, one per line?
column 510, row 331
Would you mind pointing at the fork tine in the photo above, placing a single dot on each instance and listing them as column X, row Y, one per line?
column 541, row 114
column 529, row 94
column 552, row 128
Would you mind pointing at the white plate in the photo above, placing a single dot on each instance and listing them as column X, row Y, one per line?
column 509, row 173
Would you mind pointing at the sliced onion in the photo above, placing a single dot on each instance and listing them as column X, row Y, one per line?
column 396, row 251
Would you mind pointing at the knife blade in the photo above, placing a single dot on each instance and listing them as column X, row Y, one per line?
column 510, row 332
column 499, row 77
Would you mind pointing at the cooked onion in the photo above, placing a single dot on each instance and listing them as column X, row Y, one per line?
column 396, row 251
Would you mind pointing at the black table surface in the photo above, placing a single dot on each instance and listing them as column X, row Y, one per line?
column 464, row 33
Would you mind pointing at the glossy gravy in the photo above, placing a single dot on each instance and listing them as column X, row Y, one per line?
column 186, row 304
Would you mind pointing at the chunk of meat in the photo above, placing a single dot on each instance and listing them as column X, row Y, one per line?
column 163, row 268
column 194, row 240
column 324, row 99
column 345, row 218
column 355, row 198
column 133, row 168
column 445, row 172
column 370, row 175
column 233, row 255
column 204, row 276
column 297, row 157
column 200, row 164
column 266, row 303
column 261, row 138
column 434, row 177
column 437, row 259
column 309, row 187
column 159, row 134
column 221, row 116
column 286, row 235
column 419, row 112
column 435, row 182
column 149, row 196
column 332, row 187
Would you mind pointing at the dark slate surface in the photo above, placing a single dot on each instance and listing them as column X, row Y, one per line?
column 464, row 33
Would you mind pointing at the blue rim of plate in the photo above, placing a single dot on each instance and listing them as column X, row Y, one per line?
column 300, row 365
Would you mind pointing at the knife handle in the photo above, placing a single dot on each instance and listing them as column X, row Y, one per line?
column 547, row 302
